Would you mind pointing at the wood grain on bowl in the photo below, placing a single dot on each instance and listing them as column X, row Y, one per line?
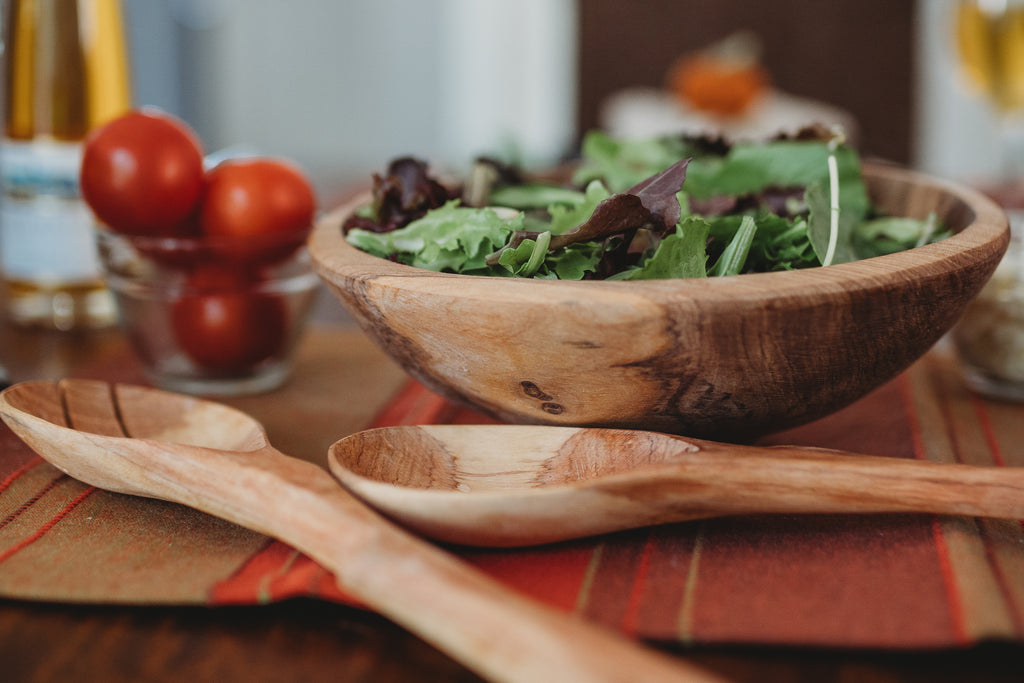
column 724, row 358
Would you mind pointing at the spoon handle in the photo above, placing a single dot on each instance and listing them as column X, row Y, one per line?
column 490, row 628
column 791, row 479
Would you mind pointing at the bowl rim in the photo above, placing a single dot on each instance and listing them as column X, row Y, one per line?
column 104, row 233
column 334, row 258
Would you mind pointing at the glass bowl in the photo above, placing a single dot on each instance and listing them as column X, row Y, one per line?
column 990, row 336
column 211, row 317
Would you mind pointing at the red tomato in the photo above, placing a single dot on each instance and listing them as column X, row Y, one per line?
column 142, row 173
column 221, row 277
column 223, row 326
column 264, row 207
column 182, row 252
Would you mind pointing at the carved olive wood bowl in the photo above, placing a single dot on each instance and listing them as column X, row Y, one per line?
column 722, row 358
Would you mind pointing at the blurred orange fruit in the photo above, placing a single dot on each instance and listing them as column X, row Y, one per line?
column 721, row 86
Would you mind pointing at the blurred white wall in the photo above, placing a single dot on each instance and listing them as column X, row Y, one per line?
column 956, row 132
column 342, row 86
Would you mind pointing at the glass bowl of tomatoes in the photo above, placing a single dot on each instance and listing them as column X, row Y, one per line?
column 207, row 261
column 203, row 320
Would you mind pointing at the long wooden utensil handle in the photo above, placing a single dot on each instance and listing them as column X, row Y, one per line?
column 796, row 479
column 488, row 627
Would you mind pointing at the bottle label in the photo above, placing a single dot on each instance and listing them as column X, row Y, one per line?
column 46, row 230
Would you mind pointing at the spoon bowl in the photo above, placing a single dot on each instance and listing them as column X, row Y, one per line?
column 213, row 458
column 511, row 485
column 80, row 428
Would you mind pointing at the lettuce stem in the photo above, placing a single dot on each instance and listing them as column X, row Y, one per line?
column 734, row 257
column 540, row 251
column 833, row 182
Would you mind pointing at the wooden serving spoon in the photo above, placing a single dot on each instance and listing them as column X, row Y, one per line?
column 523, row 485
column 205, row 455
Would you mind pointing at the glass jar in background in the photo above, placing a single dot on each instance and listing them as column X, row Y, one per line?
column 990, row 336
column 66, row 71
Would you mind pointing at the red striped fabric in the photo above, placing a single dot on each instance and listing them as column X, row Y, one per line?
column 5, row 484
column 899, row 581
column 42, row 530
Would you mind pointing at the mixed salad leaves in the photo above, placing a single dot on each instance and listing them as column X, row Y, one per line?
column 667, row 207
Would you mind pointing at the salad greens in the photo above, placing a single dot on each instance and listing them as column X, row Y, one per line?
column 670, row 207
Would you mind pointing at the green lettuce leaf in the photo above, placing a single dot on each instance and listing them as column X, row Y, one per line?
column 575, row 261
column 749, row 168
column 890, row 234
column 734, row 257
column 535, row 196
column 819, row 225
column 621, row 164
column 779, row 243
column 527, row 258
column 450, row 238
column 680, row 255
column 566, row 217
column 532, row 259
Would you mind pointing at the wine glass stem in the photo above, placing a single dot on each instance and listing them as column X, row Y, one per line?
column 1011, row 148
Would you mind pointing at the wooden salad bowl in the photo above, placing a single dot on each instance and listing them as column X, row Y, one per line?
column 727, row 358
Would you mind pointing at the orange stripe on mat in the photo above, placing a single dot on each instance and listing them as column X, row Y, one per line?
column 629, row 620
column 985, row 420
column 555, row 574
column 247, row 584
column 1005, row 582
column 1002, row 580
column 6, row 483
column 276, row 572
column 304, row 577
column 413, row 404
column 957, row 615
column 64, row 512
column 986, row 428
column 956, row 608
column 914, row 425
column 31, row 501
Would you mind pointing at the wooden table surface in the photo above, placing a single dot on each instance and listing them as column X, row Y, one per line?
column 305, row 640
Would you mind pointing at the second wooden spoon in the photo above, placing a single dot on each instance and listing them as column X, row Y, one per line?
column 521, row 485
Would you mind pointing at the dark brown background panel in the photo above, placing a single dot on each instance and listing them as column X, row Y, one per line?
column 856, row 54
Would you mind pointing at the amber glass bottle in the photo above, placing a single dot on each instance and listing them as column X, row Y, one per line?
column 65, row 72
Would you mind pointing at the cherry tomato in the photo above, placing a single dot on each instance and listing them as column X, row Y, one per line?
column 142, row 173
column 224, row 326
column 184, row 251
column 263, row 207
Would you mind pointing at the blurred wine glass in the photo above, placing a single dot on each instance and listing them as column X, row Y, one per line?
column 989, row 337
column 990, row 53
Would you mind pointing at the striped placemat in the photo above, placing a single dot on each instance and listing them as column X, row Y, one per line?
column 907, row 581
